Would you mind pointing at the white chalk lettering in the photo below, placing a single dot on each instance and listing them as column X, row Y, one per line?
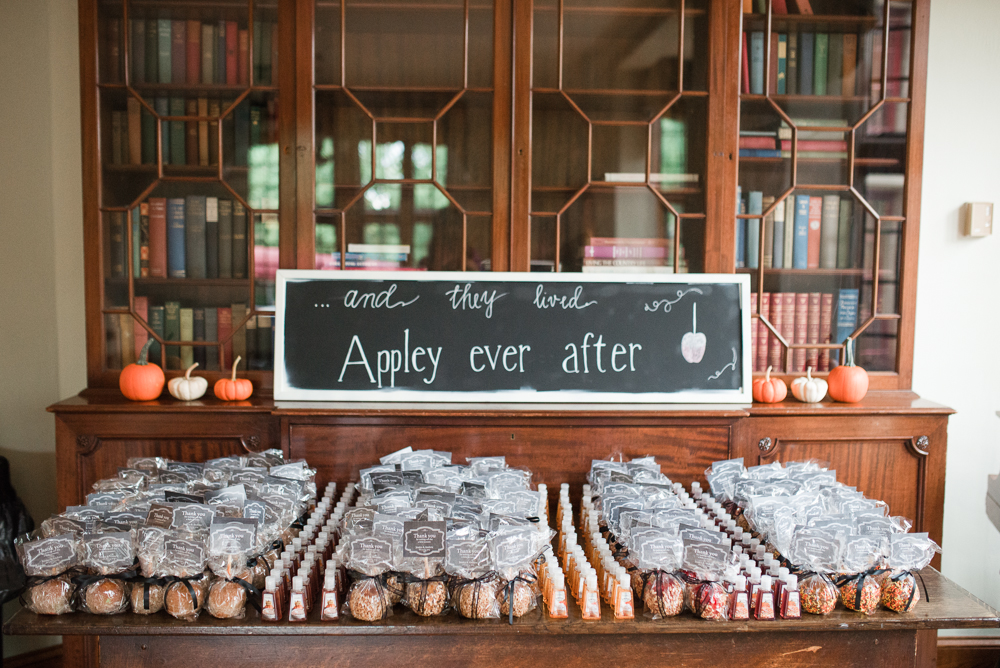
column 543, row 300
column 618, row 349
column 466, row 299
column 353, row 299
column 434, row 361
column 596, row 343
column 363, row 361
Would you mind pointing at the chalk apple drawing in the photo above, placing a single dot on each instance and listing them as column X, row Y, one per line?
column 693, row 344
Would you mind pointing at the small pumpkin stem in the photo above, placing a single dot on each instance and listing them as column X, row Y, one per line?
column 235, row 362
column 849, row 352
column 144, row 353
column 809, row 373
column 187, row 374
column 767, row 374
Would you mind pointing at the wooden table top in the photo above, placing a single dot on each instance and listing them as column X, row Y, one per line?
column 949, row 607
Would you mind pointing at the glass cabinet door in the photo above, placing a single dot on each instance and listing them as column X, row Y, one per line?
column 619, row 127
column 824, row 110
column 188, row 113
column 403, row 132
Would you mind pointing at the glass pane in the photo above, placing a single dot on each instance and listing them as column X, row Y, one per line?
column 558, row 152
column 464, row 152
column 543, row 248
column 327, row 42
column 265, row 256
column 110, row 43
column 114, row 226
column 341, row 128
column 264, row 43
column 128, row 147
column 250, row 149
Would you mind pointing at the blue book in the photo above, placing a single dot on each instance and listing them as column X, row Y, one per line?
column 846, row 320
column 806, row 46
column 178, row 152
column 162, row 106
column 135, row 243
column 760, row 153
column 194, row 237
column 782, row 86
column 754, row 208
column 176, row 261
column 220, row 56
column 211, row 237
column 800, row 245
column 163, row 50
column 741, row 229
column 756, row 63
column 778, row 257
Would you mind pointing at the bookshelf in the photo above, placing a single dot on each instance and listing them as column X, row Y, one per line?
column 438, row 133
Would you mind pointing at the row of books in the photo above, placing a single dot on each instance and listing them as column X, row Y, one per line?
column 190, row 51
column 802, row 318
column 373, row 257
column 125, row 336
column 777, row 6
column 811, row 143
column 181, row 237
column 133, row 131
column 803, row 232
column 628, row 255
column 805, row 63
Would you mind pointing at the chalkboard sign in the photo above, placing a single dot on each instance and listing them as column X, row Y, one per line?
column 511, row 337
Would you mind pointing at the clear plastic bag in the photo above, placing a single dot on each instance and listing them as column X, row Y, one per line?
column 185, row 597
column 49, row 595
column 227, row 598
column 368, row 599
column 662, row 593
column 107, row 596
column 817, row 594
column 478, row 598
column 147, row 596
column 907, row 553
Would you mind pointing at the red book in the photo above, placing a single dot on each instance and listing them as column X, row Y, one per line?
column 193, row 51
column 775, row 351
column 788, row 322
column 801, row 331
column 763, row 333
column 779, row 7
column 826, row 333
column 753, row 331
column 769, row 143
column 772, row 83
column 231, row 50
column 158, row 237
column 225, row 319
column 832, row 146
column 815, row 217
column 244, row 57
column 812, row 331
column 178, row 51
column 140, row 333
column 745, row 61
column 625, row 251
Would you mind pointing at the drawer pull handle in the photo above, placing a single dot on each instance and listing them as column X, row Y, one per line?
column 765, row 444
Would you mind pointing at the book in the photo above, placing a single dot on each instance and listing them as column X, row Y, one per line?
column 172, row 332
column 151, row 56
column 782, row 69
column 211, row 334
column 241, row 134
column 745, row 67
column 178, row 51
column 139, row 334
column 800, row 332
column 835, row 64
column 119, row 138
column 844, row 236
column 767, row 142
column 163, row 51
column 754, row 208
column 211, row 237
column 806, row 54
column 815, row 223
column 816, row 146
column 256, row 124
column 136, row 245
column 820, row 58
column 198, row 330
column 768, row 239
column 266, row 71
column 220, row 52
column 789, row 239
column 191, row 132
column 162, row 106
column 232, row 36
column 113, row 39
column 176, row 259
column 243, row 57
column 779, row 7
column 803, row 6
column 144, row 239
column 763, row 333
column 134, row 115
column 156, row 322
column 846, row 319
column 829, row 231
column 194, row 236
column 759, row 153
column 257, row 44
column 224, row 318
column 251, row 361
column 213, row 133
column 126, row 327
column 239, row 314
column 112, row 341
column 265, row 342
column 587, row 262
column 747, row 6
column 825, row 335
column 225, row 260
column 117, row 247
column 187, row 334
column 848, row 86
column 594, row 241
column 208, row 47
column 800, row 250
column 240, row 260
column 658, row 269
column 619, row 252
column 202, row 107
column 788, row 305
column 778, row 241
column 193, row 53
column 177, row 133
column 812, row 331
column 792, row 64
column 760, row 6
column 147, row 130
column 756, row 63
column 772, row 65
column 157, row 237
column 741, row 229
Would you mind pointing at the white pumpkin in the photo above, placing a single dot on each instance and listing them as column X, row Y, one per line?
column 186, row 388
column 809, row 390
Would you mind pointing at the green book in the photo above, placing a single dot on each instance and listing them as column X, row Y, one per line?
column 151, row 52
column 148, row 132
column 156, row 324
column 835, row 65
column 782, row 86
column 844, row 233
column 135, row 242
column 163, row 47
column 172, row 332
column 820, row 60
column 178, row 153
column 187, row 334
column 137, row 64
column 792, row 64
column 208, row 49
column 256, row 124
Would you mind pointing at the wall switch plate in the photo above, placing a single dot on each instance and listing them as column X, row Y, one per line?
column 977, row 219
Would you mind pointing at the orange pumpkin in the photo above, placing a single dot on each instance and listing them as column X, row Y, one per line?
column 142, row 381
column 233, row 389
column 848, row 382
column 769, row 390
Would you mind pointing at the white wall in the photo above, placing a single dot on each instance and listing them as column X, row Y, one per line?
column 956, row 359
column 42, row 349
